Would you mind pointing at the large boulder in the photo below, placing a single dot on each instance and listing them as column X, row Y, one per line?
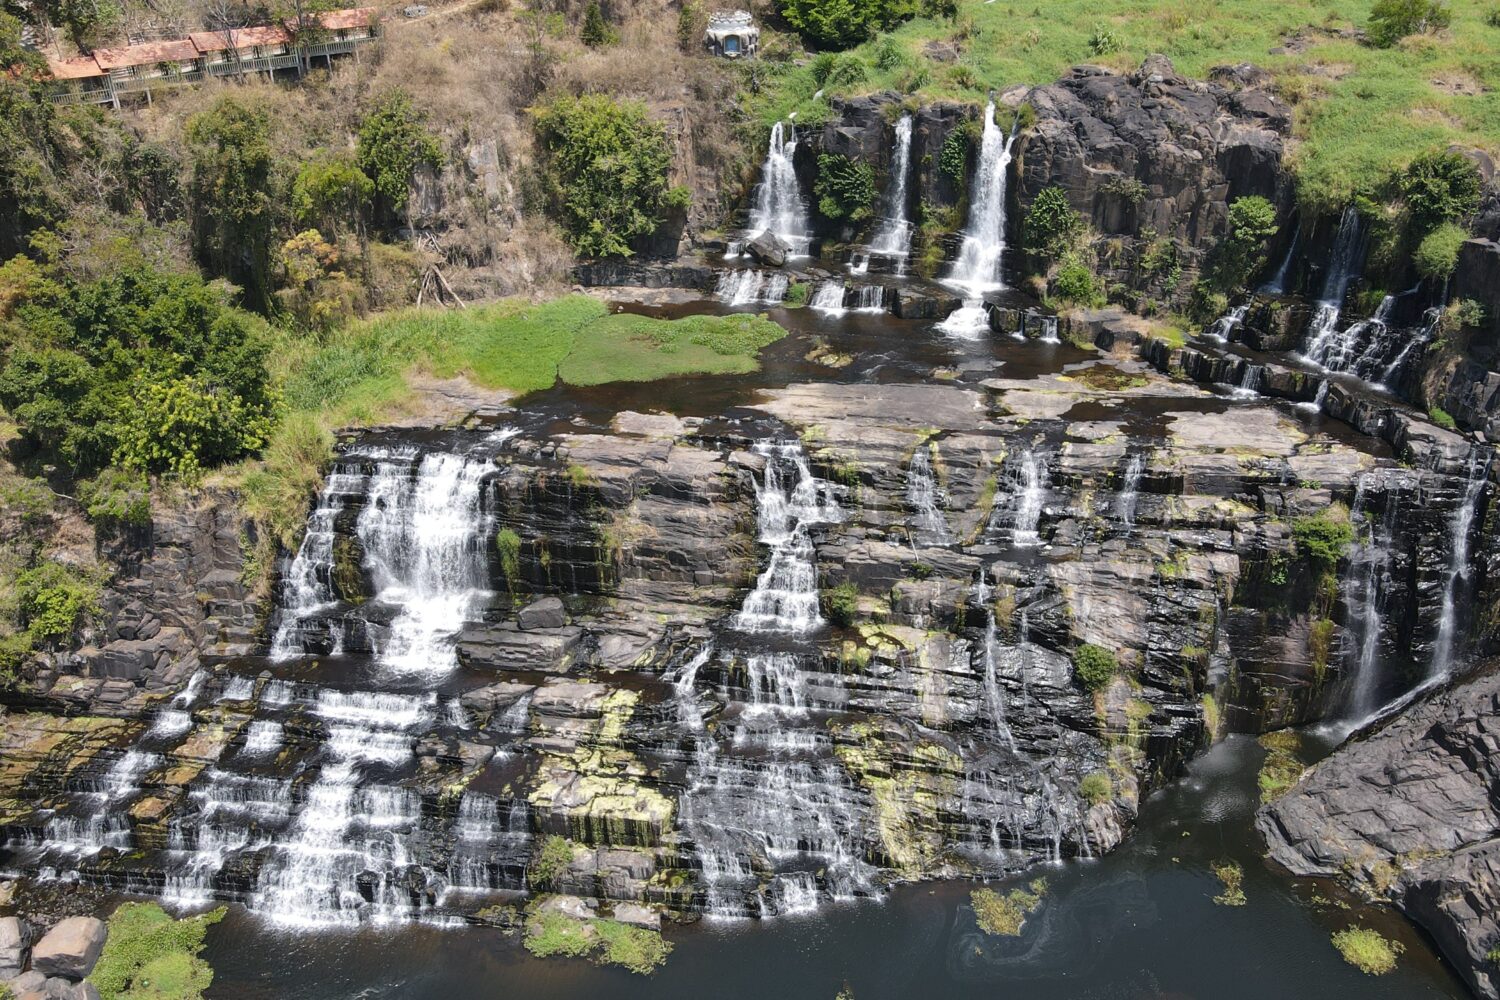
column 768, row 249
column 13, row 946
column 71, row 948
column 1409, row 814
column 542, row 614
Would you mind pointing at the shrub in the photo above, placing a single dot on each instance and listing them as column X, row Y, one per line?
column 838, row 24
column 953, row 161
column 845, row 189
column 148, row 954
column 331, row 194
column 1074, row 282
column 1094, row 666
column 1437, row 254
column 1103, row 41
column 1467, row 312
column 1052, row 226
column 1366, row 950
column 1392, row 20
column 116, row 497
column 551, row 861
column 393, row 143
column 607, row 174
column 1322, row 538
column 841, row 603
column 835, row 69
column 690, row 24
column 1096, row 788
column 1281, row 768
column 889, row 54
column 508, row 543
column 608, row 942
column 55, row 600
column 1440, row 186
column 230, row 146
column 183, row 426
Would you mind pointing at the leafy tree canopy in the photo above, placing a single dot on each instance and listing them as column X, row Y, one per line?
column 393, row 142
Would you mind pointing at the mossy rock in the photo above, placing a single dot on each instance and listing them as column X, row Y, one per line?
column 348, row 575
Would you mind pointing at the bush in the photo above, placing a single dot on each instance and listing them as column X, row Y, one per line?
column 148, row 954
column 833, row 69
column 596, row 30
column 1103, row 41
column 1467, row 313
column 841, row 604
column 1392, row 20
column 55, row 600
column 1322, row 539
column 1439, row 186
column 1074, row 282
column 508, row 544
column 116, row 497
column 839, row 24
column 552, row 861
column 1052, row 227
column 953, row 161
column 1367, row 951
column 1096, row 788
column 331, row 194
column 607, row 174
column 845, row 189
column 393, row 143
column 1094, row 666
column 1437, row 254
column 607, row 942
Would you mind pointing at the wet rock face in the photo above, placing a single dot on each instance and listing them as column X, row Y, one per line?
column 1408, row 814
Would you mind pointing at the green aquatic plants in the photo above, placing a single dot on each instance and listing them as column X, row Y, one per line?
column 1094, row 666
column 1281, row 768
column 552, row 933
column 1004, row 915
column 1367, row 950
column 150, row 956
column 1232, row 876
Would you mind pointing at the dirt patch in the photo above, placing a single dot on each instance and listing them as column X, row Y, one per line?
column 435, row 402
column 1458, row 83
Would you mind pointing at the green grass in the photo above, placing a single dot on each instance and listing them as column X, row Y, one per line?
column 151, row 956
column 1361, row 112
column 361, row 374
column 1366, row 950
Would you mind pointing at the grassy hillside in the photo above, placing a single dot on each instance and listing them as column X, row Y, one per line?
column 1360, row 111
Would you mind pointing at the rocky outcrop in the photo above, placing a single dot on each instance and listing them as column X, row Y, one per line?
column 1409, row 814
column 1151, row 155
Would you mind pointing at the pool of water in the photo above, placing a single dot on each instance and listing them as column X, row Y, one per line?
column 1140, row 923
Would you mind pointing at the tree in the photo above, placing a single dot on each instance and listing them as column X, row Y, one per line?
column 1242, row 252
column 32, row 141
column 317, row 292
column 230, row 145
column 1392, row 20
column 596, row 30
column 393, row 143
column 332, row 194
column 838, row 24
column 607, row 171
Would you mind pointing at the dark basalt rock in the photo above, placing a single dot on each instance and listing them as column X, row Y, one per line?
column 768, row 249
column 1408, row 814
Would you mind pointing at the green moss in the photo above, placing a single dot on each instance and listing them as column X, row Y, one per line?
column 1004, row 915
column 509, row 545
column 638, row 949
column 1233, row 877
column 1366, row 950
column 1281, row 768
column 550, row 933
column 1096, row 788
column 150, row 956
column 1442, row 418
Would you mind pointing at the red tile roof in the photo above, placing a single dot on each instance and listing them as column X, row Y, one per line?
column 338, row 20
column 149, row 54
column 81, row 68
column 239, row 38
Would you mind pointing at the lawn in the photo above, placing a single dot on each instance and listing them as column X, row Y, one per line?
column 1361, row 112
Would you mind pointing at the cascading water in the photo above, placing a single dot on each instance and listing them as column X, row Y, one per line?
column 1370, row 580
column 994, row 697
column 1391, row 376
column 1348, row 248
column 829, row 298
column 751, row 287
column 980, row 263
column 1223, row 328
column 779, row 208
column 1130, row 489
column 928, row 525
column 894, row 237
column 1277, row 284
column 1455, row 585
column 1026, row 481
column 790, row 501
column 1364, row 348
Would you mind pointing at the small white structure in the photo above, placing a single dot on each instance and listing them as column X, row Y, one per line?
column 731, row 34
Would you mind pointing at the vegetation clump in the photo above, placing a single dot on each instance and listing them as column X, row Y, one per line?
column 607, row 942
column 1323, row 538
column 1392, row 20
column 1233, row 878
column 844, row 188
column 1004, row 915
column 841, row 603
column 150, row 956
column 1096, row 788
column 1094, row 666
column 552, row 860
column 1367, row 950
column 607, row 164
column 1281, row 768
column 393, row 143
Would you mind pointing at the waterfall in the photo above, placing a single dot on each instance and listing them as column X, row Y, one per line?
column 894, row 237
column 1390, row 376
column 778, row 200
column 1250, row 379
column 868, row 298
column 1026, row 477
column 684, row 689
column 979, row 267
column 263, row 737
column 1223, row 328
column 1322, row 334
column 994, row 697
column 829, row 298
column 928, row 524
column 1363, row 348
column 1370, row 579
column 1445, row 649
column 789, row 502
column 1130, row 488
column 750, row 287
column 1277, row 284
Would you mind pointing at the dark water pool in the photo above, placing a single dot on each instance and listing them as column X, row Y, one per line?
column 1140, row 923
